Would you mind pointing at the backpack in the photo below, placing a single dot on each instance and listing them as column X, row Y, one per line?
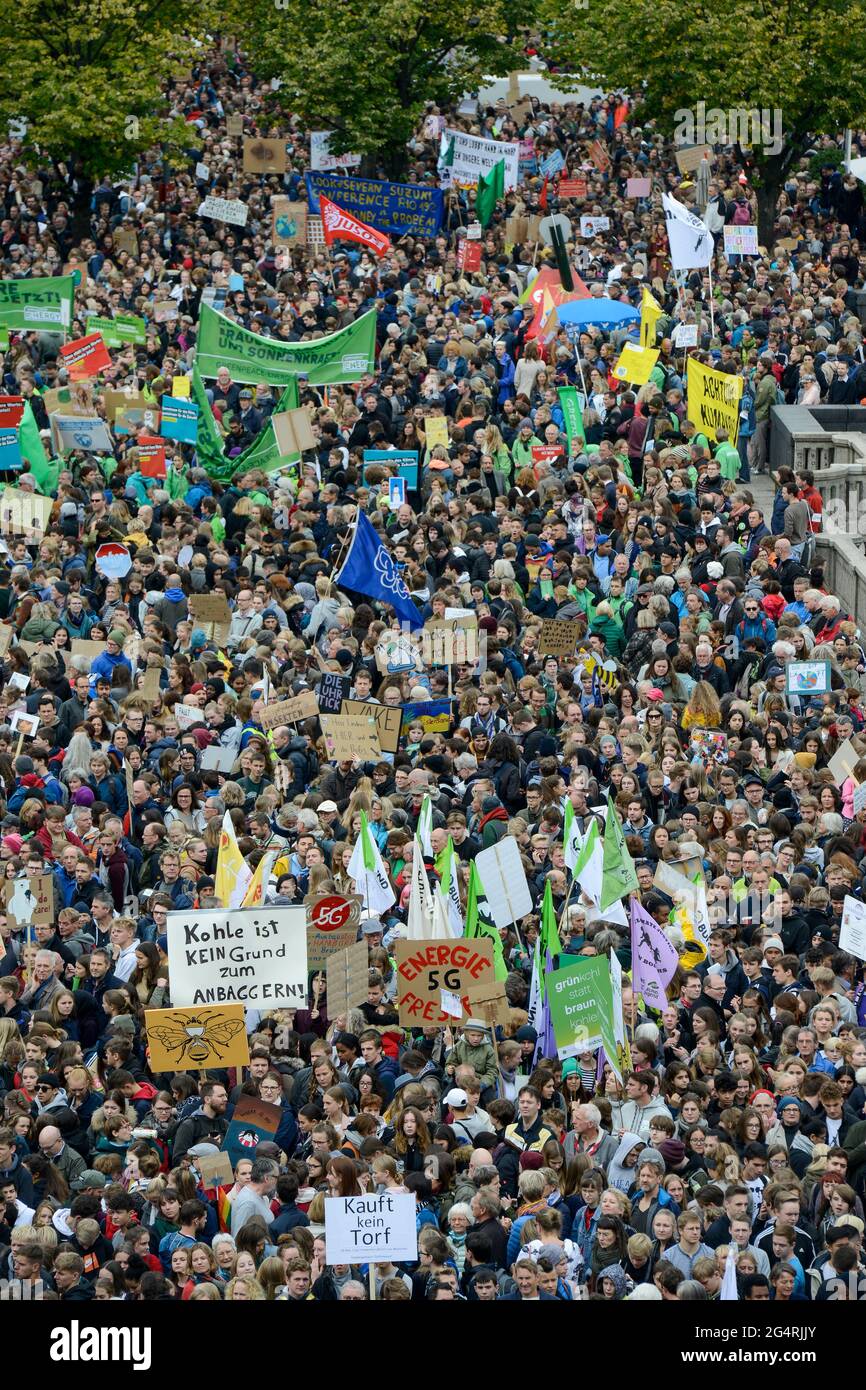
column 742, row 215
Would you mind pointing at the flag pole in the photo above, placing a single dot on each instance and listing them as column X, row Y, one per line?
column 710, row 279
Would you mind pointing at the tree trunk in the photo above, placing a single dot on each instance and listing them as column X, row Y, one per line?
column 80, row 205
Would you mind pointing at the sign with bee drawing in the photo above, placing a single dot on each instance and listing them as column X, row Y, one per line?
column 197, row 1039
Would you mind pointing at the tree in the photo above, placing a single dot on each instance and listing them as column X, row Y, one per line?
column 83, row 84
column 365, row 68
column 792, row 60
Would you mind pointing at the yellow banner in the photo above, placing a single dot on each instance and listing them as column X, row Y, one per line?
column 635, row 364
column 650, row 311
column 713, row 400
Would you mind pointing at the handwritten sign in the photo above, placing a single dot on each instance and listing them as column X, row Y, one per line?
column 425, row 968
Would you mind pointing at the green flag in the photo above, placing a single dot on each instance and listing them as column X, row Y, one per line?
column 209, row 448
column 30, row 444
column 346, row 355
column 572, row 413
column 618, row 875
column 480, row 923
column 549, row 937
column 446, row 151
column 264, row 452
column 491, row 187
column 37, row 302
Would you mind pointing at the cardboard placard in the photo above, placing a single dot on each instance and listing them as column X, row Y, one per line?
column 126, row 239
column 373, row 1227
column 489, row 1002
column 253, row 1122
column 150, row 686
column 689, row 158
column 7, row 632
column 215, row 1170
column 29, row 900
column 234, row 126
column 332, row 925
column 215, row 758
column 256, row 957
column 289, row 222
column 351, row 735
column 293, row 431
column 22, row 511
column 210, row 608
column 197, row 1039
column 82, row 646
column 558, row 637
column 263, row 156
column 852, row 934
column 187, row 715
column 638, row 188
column 348, row 976
column 450, row 641
column 389, row 719
column 302, row 706
column 425, row 968
column 74, row 399
column 843, row 762
column 119, row 401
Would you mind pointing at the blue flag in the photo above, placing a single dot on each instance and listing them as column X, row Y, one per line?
column 369, row 569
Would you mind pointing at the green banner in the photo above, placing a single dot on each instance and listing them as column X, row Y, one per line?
column 264, row 452
column 119, row 331
column 581, row 1007
column 572, row 414
column 346, row 355
column 37, row 302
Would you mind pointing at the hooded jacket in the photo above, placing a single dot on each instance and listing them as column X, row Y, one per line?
column 618, row 1175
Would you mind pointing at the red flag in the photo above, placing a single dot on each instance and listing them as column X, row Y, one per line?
column 620, row 114
column 339, row 225
column 542, row 197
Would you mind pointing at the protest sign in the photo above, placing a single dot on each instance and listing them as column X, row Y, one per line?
column 210, row 608
column 224, row 210
column 488, row 1001
column 859, row 798
column 474, row 157
column 117, row 402
column 689, row 157
column 321, row 157
column 288, row 222
column 10, row 450
column 635, row 364
column 165, row 310
column 504, row 877
column 187, row 715
column 581, row 1006
column 426, row 967
column 69, row 432
column 599, row 156
column 558, row 637
column 113, row 560
column 404, row 460
column 552, row 164
column 11, row 411
column 302, row 706
column 380, row 1227
column 29, row 901
column 253, row 1122
column 332, row 925
column 396, row 652
column 713, row 400
column 400, row 209
column 261, row 156
column 843, row 762
column 571, row 188
column 21, row 723
column 396, row 493
column 685, row 335
column 192, row 1040
column 215, row 758
column 151, row 456
column 293, row 431
column 741, row 241
column 22, row 511
column 333, row 689
column 118, row 332
column 434, row 716
column 346, row 355
column 347, row 971
column 37, row 302
column 638, row 188
column 215, row 1170
column 82, row 646
column 468, row 256
column 350, row 735
column 126, row 239
column 852, row 933
column 234, row 126
column 436, row 432
column 85, row 357
column 7, row 632
column 252, row 957
column 178, row 420
column 545, row 453
column 450, row 641
column 807, row 678
column 591, row 226
column 77, row 399
column 388, row 721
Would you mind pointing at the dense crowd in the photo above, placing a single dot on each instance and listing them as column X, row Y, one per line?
column 735, row 1143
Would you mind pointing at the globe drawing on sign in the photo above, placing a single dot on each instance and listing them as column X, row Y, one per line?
column 286, row 226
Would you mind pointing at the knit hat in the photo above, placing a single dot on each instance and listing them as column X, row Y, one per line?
column 197, row 638
column 526, row 1034
column 117, row 636
column 569, row 1067
column 530, row 1158
column 673, row 1151
column 785, row 1101
column 83, row 797
column 651, row 1155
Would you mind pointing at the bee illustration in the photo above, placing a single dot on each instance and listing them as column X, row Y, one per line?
column 196, row 1038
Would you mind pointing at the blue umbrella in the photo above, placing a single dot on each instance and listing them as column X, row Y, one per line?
column 605, row 313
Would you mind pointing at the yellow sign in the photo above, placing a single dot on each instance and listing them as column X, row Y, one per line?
column 197, row 1039
column 650, row 311
column 713, row 400
column 635, row 364
column 180, row 388
column 436, row 431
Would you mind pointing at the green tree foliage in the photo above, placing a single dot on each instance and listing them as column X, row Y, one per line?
column 83, row 83
column 365, row 68
column 792, row 58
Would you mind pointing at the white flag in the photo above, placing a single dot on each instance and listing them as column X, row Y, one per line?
column 371, row 877
column 420, row 921
column 691, row 240
column 728, row 1292
column 572, row 838
column 449, row 889
column 424, row 828
column 588, row 871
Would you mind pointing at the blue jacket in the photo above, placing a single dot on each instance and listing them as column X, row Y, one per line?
column 104, row 665
column 762, row 627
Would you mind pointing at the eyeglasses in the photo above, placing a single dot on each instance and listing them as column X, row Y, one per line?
column 42, row 1087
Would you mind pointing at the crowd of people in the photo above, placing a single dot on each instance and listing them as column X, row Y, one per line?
column 733, row 1150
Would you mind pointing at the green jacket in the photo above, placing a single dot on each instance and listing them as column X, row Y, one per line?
column 765, row 396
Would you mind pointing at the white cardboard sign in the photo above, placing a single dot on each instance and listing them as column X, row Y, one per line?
column 504, row 879
column 381, row 1228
